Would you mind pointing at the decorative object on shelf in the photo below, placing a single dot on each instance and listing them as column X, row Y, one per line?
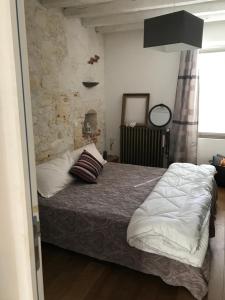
column 160, row 115
column 94, row 59
column 87, row 128
column 135, row 109
column 176, row 31
column 90, row 84
column 132, row 124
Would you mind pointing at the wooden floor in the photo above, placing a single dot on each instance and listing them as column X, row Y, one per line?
column 70, row 276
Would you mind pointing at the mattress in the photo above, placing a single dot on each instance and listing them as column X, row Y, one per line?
column 92, row 219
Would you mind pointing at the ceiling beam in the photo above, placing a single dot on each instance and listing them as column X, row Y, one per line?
column 69, row 3
column 140, row 25
column 119, row 19
column 127, row 6
column 119, row 28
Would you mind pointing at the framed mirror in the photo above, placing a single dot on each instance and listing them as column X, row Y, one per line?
column 160, row 115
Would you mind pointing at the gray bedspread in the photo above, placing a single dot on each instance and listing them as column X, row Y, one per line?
column 92, row 219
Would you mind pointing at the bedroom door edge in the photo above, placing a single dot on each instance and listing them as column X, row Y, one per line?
column 18, row 185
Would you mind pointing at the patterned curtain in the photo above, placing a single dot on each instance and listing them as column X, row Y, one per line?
column 184, row 131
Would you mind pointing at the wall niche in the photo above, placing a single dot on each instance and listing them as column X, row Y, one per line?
column 90, row 126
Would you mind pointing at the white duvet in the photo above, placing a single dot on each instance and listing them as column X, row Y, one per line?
column 173, row 221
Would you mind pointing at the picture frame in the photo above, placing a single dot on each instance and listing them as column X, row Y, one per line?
column 135, row 109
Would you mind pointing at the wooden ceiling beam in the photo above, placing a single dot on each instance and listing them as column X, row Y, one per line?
column 127, row 6
column 120, row 28
column 69, row 3
column 120, row 19
column 140, row 25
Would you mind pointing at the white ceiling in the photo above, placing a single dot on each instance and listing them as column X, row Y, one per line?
column 119, row 15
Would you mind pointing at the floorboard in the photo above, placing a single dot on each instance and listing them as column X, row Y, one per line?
column 71, row 276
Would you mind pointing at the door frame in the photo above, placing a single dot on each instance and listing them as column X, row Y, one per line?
column 17, row 161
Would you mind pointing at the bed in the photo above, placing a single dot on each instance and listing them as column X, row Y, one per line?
column 92, row 219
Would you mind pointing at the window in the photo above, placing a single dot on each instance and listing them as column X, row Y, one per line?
column 212, row 92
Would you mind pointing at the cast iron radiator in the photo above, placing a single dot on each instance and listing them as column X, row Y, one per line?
column 144, row 146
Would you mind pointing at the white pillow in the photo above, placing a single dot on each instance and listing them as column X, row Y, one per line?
column 53, row 175
column 91, row 148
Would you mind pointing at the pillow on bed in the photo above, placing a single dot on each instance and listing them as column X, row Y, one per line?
column 91, row 148
column 87, row 167
column 53, row 175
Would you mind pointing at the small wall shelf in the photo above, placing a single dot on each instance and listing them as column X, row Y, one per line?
column 90, row 84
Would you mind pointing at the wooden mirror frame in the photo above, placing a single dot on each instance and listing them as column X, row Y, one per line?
column 124, row 105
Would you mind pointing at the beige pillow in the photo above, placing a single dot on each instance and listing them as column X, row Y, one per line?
column 91, row 148
column 53, row 175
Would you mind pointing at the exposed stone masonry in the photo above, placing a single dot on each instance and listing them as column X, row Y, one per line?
column 59, row 48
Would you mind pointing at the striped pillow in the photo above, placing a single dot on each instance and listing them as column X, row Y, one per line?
column 87, row 167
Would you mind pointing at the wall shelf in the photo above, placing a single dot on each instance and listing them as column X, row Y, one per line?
column 90, row 84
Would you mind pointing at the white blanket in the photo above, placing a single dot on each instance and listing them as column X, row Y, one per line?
column 173, row 220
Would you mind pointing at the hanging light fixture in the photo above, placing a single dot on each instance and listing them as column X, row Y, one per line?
column 176, row 31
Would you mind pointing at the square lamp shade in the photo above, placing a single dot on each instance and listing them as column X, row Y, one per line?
column 174, row 32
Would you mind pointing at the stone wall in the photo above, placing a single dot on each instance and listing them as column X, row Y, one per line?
column 59, row 49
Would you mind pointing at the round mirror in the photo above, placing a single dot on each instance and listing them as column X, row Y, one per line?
column 160, row 115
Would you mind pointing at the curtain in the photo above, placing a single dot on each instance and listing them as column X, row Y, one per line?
column 184, row 130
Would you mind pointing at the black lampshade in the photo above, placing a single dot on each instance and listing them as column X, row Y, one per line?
column 173, row 32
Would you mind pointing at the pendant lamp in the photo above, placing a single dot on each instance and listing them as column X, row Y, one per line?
column 176, row 31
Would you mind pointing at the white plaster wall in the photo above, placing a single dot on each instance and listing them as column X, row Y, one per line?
column 129, row 68
column 59, row 48
column 214, row 34
column 209, row 147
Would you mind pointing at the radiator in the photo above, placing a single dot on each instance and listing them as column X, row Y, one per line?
column 143, row 146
